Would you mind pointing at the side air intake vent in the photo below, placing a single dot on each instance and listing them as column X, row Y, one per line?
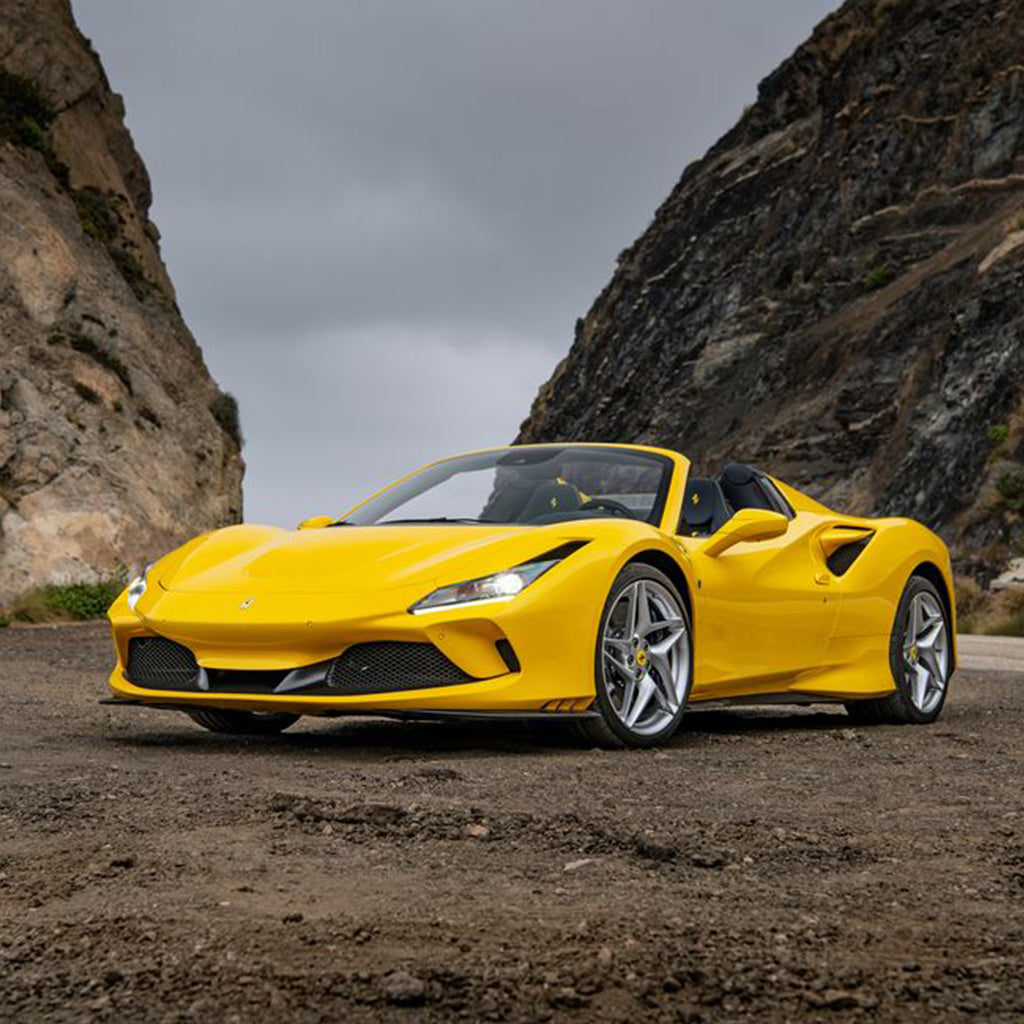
column 387, row 665
column 842, row 558
column 160, row 664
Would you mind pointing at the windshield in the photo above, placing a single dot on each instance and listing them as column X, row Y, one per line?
column 532, row 485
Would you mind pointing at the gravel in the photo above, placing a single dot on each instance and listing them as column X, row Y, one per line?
column 770, row 865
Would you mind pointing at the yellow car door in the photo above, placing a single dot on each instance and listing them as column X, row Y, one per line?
column 765, row 611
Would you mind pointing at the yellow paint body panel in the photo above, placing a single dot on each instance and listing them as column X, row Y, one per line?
column 768, row 616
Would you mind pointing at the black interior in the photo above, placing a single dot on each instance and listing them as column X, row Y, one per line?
column 742, row 488
column 705, row 509
column 708, row 504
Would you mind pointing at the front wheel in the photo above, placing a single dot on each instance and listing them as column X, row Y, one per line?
column 643, row 662
column 242, row 723
column 920, row 656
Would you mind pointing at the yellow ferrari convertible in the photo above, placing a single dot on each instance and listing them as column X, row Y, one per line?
column 599, row 585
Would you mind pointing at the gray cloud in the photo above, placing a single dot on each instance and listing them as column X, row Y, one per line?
column 384, row 216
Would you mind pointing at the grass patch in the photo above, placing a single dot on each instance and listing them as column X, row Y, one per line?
column 68, row 602
column 878, row 277
column 224, row 409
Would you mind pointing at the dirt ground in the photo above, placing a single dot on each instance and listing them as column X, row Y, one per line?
column 774, row 865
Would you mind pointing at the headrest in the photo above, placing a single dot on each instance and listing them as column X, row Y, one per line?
column 739, row 474
column 701, row 500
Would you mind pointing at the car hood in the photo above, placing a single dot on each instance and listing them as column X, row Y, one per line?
column 261, row 559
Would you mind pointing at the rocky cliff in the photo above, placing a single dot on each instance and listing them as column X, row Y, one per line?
column 835, row 292
column 115, row 443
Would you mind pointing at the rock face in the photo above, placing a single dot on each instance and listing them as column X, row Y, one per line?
column 835, row 292
column 115, row 443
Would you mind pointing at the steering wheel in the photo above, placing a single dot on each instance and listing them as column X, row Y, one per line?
column 613, row 506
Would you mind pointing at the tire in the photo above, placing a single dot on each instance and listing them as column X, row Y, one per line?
column 629, row 664
column 921, row 672
column 242, row 723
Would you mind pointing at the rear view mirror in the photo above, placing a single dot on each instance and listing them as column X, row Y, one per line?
column 316, row 523
column 749, row 524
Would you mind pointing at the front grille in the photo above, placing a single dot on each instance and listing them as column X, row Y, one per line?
column 392, row 665
column 385, row 666
column 160, row 664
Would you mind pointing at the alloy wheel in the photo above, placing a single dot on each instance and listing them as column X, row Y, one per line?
column 925, row 651
column 645, row 655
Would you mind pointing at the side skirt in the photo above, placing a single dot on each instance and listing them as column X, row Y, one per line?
column 801, row 699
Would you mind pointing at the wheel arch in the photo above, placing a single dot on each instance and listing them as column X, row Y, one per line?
column 933, row 574
column 671, row 568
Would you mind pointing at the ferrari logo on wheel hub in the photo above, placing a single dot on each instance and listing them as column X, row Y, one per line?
column 641, row 658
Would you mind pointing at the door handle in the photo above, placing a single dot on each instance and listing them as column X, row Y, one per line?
column 824, row 578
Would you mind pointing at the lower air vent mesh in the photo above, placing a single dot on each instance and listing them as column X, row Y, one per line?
column 392, row 665
column 160, row 664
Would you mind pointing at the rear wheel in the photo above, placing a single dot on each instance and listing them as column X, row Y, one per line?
column 920, row 655
column 643, row 663
column 242, row 723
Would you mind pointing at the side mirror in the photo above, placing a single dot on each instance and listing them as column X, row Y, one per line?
column 746, row 525
column 316, row 523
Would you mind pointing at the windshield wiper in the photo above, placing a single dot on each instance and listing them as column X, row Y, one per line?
column 435, row 519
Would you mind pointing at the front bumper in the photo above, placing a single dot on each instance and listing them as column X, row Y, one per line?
column 284, row 633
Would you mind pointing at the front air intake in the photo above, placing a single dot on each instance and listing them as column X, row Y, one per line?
column 160, row 664
column 387, row 665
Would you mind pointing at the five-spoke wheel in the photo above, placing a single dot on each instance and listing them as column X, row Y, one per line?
column 920, row 656
column 644, row 661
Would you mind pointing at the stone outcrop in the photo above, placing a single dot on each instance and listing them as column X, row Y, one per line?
column 835, row 292
column 115, row 443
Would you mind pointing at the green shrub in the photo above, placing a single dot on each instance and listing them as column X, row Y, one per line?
column 63, row 601
column 25, row 113
column 997, row 434
column 84, row 600
column 878, row 277
column 98, row 218
column 1011, row 489
column 225, row 411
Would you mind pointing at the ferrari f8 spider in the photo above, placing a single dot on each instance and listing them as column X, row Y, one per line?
column 600, row 585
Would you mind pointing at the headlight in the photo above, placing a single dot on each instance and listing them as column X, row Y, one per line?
column 500, row 587
column 137, row 588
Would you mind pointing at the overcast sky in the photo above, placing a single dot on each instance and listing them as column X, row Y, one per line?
column 383, row 217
